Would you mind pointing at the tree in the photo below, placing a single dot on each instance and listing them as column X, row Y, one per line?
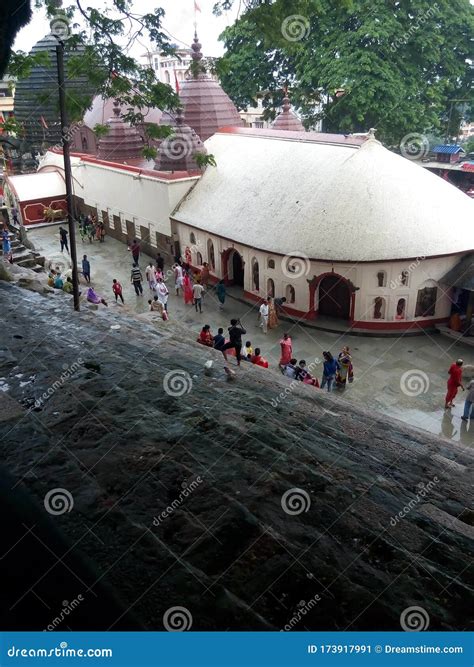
column 397, row 64
column 97, row 48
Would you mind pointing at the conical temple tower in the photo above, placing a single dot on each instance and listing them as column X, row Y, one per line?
column 287, row 119
column 122, row 142
column 178, row 151
column 206, row 106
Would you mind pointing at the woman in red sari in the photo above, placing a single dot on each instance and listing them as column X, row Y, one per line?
column 187, row 289
column 206, row 337
column 286, row 350
column 454, row 382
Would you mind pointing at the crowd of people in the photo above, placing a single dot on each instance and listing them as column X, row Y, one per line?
column 336, row 371
column 91, row 229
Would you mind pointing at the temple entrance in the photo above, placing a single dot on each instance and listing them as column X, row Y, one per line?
column 236, row 266
column 334, row 297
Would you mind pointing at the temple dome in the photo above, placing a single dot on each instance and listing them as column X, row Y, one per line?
column 37, row 111
column 331, row 198
column 206, row 106
column 287, row 119
column 177, row 152
column 102, row 109
column 122, row 142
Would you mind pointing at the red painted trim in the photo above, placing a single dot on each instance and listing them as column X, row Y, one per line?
column 399, row 325
column 382, row 325
column 134, row 169
column 316, row 259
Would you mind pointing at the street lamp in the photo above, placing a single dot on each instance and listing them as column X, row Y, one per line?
column 65, row 140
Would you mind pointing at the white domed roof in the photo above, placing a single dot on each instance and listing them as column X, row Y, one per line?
column 329, row 201
column 102, row 109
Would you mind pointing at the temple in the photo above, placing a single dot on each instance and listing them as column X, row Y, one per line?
column 302, row 215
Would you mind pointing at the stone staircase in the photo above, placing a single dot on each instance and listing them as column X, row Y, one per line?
column 23, row 256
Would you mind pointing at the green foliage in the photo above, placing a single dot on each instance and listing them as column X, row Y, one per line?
column 469, row 145
column 101, row 130
column 204, row 160
column 400, row 64
column 149, row 152
column 99, row 51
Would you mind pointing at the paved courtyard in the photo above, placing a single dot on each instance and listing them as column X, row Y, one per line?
column 402, row 377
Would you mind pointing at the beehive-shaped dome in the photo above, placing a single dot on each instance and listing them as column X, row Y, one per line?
column 122, row 142
column 287, row 119
column 206, row 106
column 37, row 96
column 178, row 151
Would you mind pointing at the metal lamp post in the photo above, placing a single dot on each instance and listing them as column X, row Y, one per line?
column 67, row 169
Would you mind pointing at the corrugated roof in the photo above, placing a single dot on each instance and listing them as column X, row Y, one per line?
column 450, row 150
column 462, row 275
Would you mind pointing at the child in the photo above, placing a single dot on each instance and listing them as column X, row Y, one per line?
column 247, row 352
column 117, row 290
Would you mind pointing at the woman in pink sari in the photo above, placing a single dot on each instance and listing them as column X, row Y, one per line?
column 286, row 350
column 187, row 289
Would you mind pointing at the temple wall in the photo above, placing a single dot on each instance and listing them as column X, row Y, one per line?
column 275, row 275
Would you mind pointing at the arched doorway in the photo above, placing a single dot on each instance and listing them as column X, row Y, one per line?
column 237, row 269
column 334, row 297
column 232, row 267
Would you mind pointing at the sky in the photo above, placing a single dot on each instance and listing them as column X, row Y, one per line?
column 177, row 24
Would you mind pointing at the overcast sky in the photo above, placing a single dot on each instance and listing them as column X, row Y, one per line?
column 177, row 24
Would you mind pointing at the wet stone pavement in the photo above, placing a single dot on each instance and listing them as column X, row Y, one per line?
column 401, row 377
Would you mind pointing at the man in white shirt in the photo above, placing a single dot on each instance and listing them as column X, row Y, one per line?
column 264, row 316
column 468, row 402
column 197, row 295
